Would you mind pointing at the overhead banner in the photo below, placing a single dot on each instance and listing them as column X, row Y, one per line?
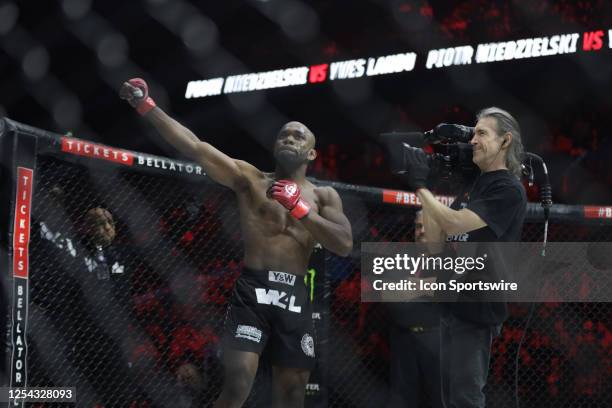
column 483, row 53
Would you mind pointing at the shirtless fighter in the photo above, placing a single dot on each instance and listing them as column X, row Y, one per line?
column 282, row 215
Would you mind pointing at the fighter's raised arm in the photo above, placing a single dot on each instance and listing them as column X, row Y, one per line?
column 219, row 166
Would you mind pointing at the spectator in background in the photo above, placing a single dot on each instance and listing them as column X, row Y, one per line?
column 102, row 349
column 81, row 285
column 415, row 347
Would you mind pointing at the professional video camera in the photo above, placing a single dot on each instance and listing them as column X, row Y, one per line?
column 452, row 151
column 451, row 157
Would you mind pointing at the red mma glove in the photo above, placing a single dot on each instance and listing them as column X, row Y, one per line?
column 287, row 193
column 136, row 92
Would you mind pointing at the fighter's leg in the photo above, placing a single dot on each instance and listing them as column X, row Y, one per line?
column 245, row 335
column 292, row 347
column 289, row 386
column 240, row 368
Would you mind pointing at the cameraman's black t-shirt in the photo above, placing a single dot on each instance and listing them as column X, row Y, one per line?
column 500, row 200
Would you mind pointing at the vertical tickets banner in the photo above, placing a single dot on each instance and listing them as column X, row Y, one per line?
column 21, row 241
column 21, row 228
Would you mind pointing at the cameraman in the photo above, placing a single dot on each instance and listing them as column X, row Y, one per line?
column 491, row 209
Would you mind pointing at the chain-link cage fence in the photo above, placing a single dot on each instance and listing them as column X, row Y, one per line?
column 564, row 358
column 130, row 274
column 140, row 318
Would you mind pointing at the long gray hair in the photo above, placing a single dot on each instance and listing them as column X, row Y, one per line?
column 507, row 123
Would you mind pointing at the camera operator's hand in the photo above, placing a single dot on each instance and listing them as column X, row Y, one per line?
column 417, row 168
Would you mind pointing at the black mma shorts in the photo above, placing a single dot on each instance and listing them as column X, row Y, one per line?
column 272, row 308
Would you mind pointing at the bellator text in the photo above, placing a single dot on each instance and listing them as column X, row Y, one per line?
column 21, row 240
column 167, row 164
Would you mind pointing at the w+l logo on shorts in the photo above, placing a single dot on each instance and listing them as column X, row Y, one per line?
column 275, row 298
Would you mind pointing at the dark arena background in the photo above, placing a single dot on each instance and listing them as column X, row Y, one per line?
column 150, row 335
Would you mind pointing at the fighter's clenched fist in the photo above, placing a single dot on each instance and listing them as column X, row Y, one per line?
column 288, row 194
column 136, row 92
